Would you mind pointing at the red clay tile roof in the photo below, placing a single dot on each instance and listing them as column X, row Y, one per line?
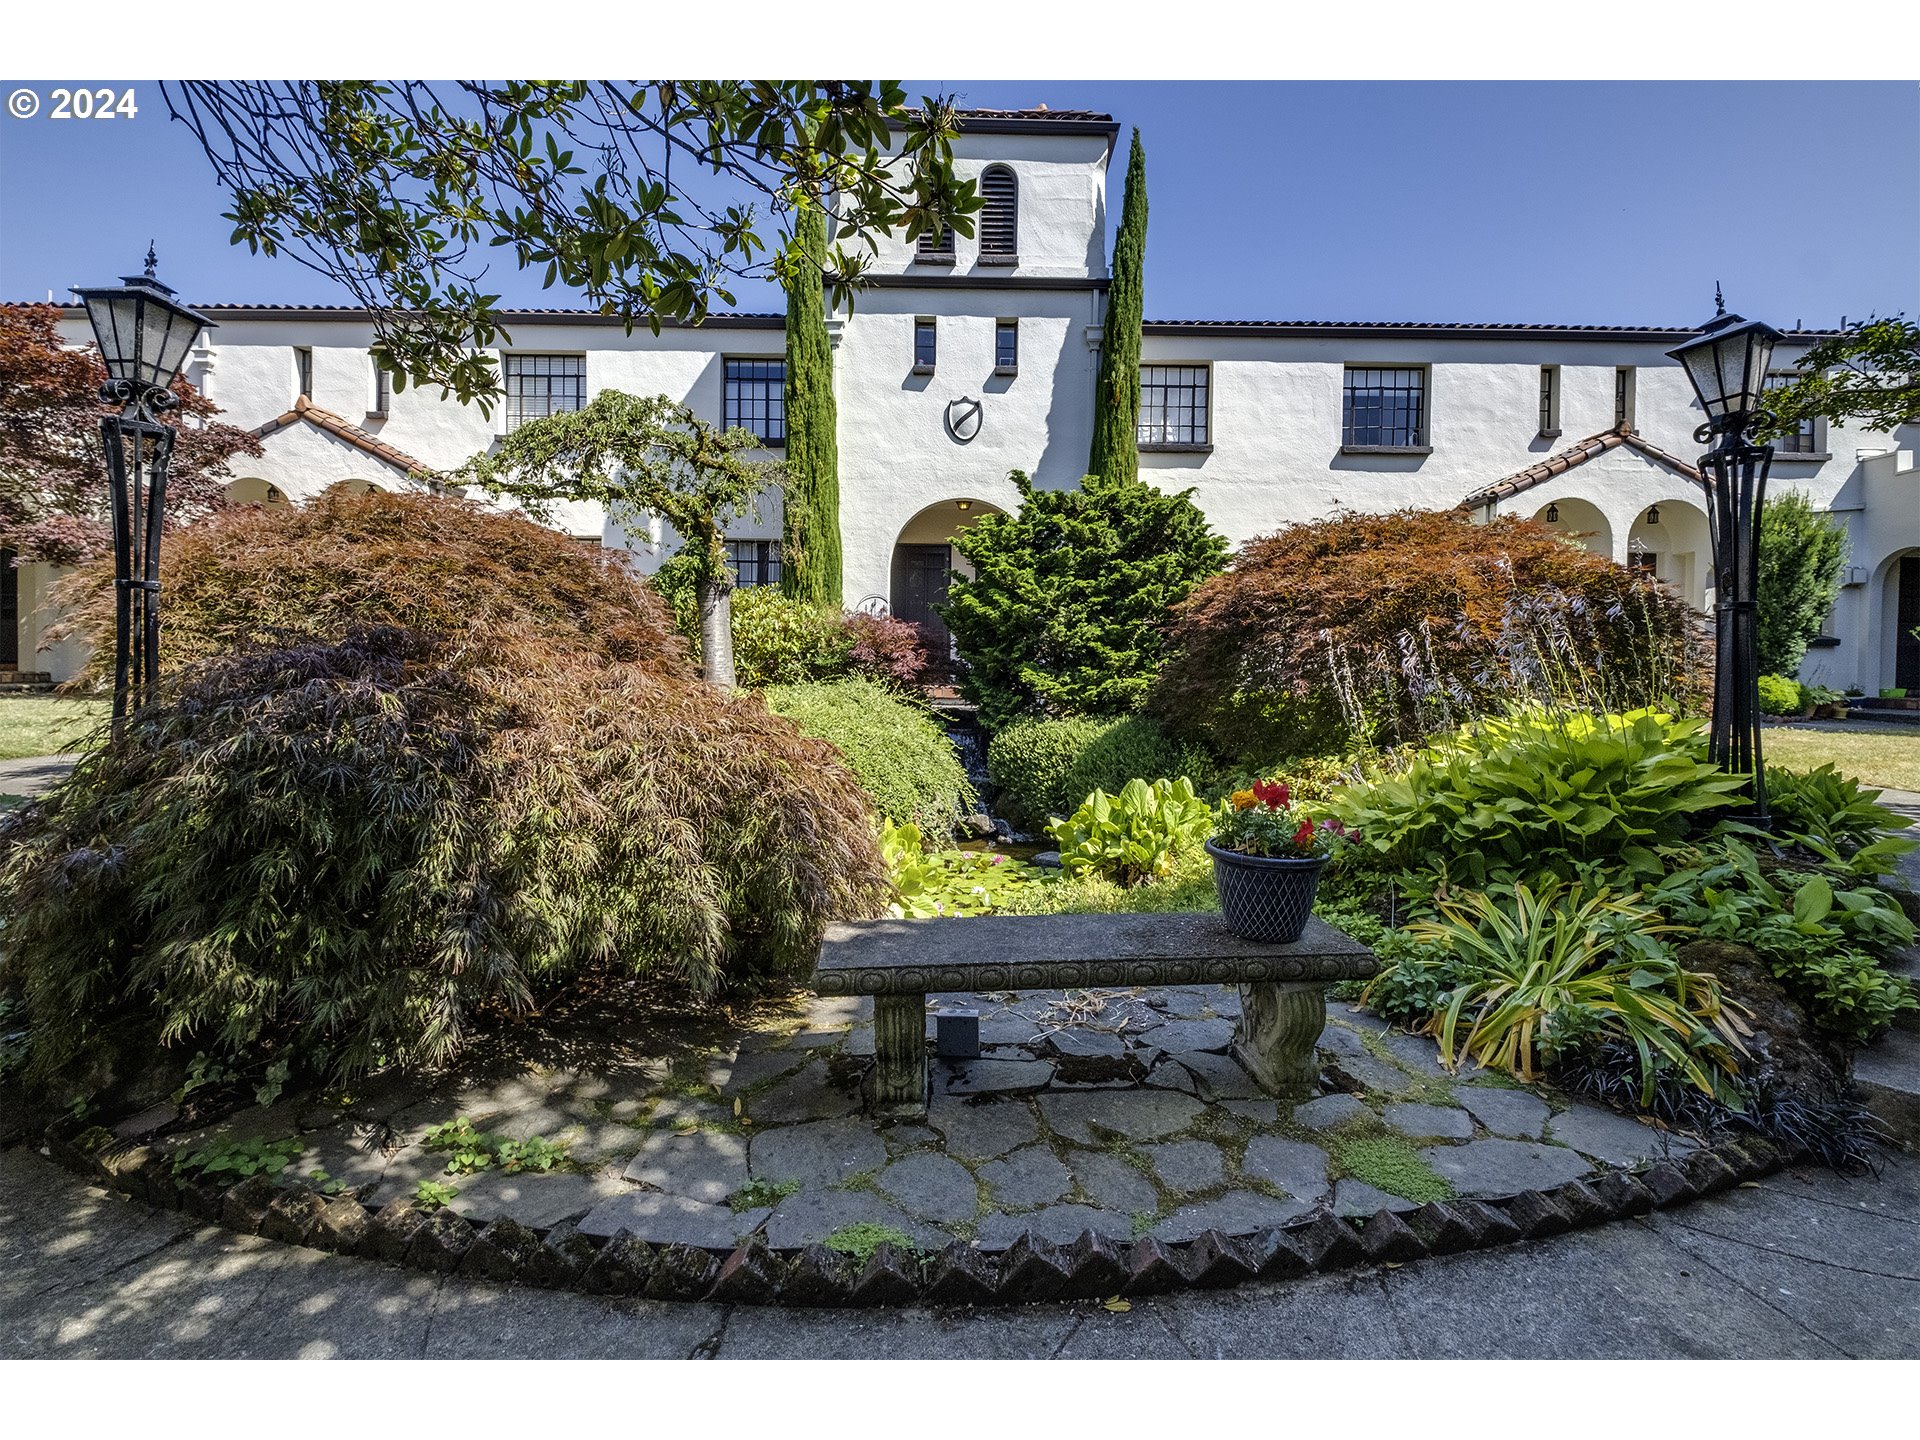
column 1590, row 448
column 1033, row 112
column 305, row 409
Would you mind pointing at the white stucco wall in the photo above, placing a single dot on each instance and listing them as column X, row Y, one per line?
column 1274, row 425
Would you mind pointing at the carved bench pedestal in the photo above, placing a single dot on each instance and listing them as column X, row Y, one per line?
column 1280, row 1024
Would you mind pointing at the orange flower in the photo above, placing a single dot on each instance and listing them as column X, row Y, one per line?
column 1242, row 799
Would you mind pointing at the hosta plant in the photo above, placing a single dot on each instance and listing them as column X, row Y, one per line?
column 1834, row 809
column 1545, row 971
column 1135, row 835
column 1541, row 791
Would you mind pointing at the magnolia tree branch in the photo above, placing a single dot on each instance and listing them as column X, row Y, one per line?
column 401, row 192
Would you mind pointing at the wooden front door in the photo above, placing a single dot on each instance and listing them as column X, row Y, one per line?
column 920, row 583
column 9, row 613
column 1906, row 645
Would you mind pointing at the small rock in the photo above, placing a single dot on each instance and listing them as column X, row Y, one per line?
column 993, row 1077
column 983, row 1132
column 1046, row 860
column 1112, row 1183
column 1133, row 1114
column 1486, row 1169
column 1616, row 1139
column 1356, row 1198
column 978, row 826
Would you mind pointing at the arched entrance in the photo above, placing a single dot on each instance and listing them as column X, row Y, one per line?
column 1669, row 541
column 1580, row 521
column 923, row 560
column 1900, row 604
column 252, row 490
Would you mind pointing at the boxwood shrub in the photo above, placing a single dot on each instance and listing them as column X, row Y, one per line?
column 897, row 751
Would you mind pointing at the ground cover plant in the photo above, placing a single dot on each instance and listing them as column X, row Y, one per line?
column 951, row 882
column 897, row 751
column 1389, row 628
column 340, row 853
column 1559, row 894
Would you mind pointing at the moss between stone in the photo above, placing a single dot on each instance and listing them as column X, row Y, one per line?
column 863, row 1237
column 1388, row 1163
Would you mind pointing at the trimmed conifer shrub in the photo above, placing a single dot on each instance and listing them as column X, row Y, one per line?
column 1802, row 552
column 339, row 853
column 898, row 753
column 1070, row 594
column 277, row 574
column 1387, row 628
column 810, row 523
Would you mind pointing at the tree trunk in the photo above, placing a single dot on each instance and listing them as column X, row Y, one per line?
column 715, row 599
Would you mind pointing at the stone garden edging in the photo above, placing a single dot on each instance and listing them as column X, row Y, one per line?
column 1029, row 1271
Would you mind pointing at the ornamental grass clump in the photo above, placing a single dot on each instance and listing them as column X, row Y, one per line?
column 343, row 852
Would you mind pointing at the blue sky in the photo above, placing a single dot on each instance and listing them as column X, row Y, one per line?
column 1594, row 203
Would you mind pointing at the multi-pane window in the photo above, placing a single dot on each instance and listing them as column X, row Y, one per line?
column 1549, row 399
column 1385, row 406
column 1000, row 216
column 925, row 346
column 543, row 385
column 1173, row 405
column 754, row 562
column 935, row 245
column 756, row 398
column 303, row 372
column 1006, row 347
column 1801, row 441
column 382, row 388
column 1623, row 396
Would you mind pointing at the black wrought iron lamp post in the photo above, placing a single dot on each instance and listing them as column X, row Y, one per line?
column 145, row 336
column 1727, row 365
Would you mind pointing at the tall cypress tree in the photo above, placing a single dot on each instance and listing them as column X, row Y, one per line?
column 810, row 530
column 1116, row 408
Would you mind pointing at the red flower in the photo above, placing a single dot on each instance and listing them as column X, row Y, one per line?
column 1271, row 793
column 1303, row 837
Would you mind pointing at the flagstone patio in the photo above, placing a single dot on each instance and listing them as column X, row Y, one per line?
column 1114, row 1111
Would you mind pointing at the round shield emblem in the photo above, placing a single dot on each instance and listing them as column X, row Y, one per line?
column 963, row 418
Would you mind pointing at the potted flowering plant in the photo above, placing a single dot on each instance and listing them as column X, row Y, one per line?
column 1267, row 859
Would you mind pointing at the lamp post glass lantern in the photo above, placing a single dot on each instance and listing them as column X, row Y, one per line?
column 145, row 336
column 1727, row 365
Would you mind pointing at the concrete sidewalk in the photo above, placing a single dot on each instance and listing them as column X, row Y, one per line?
column 1803, row 1265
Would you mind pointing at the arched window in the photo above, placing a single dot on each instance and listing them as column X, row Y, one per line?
column 1000, row 219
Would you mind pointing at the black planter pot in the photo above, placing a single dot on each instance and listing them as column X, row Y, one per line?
column 1262, row 898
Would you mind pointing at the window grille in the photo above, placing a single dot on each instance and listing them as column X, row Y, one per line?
column 1006, row 346
column 543, row 385
column 754, row 562
column 1549, row 399
column 1801, row 441
column 1173, row 405
column 1385, row 406
column 756, row 398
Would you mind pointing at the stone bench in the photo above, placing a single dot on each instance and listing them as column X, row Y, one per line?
column 901, row 962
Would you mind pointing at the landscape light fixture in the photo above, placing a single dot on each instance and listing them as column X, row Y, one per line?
column 145, row 336
column 1653, row 514
column 1727, row 365
column 1553, row 514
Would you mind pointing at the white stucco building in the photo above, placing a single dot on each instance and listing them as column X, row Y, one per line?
column 960, row 364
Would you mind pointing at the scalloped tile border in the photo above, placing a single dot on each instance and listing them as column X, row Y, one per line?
column 1031, row 1271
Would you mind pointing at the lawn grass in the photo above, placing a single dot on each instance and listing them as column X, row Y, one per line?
column 1883, row 755
column 42, row 725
